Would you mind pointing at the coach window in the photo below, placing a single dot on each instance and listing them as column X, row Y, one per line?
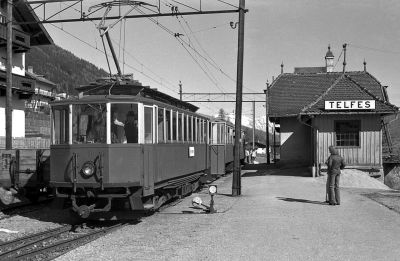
column 161, row 125
column 148, row 124
column 89, row 123
column 60, row 125
column 185, row 128
column 180, row 127
column 348, row 133
column 174, row 126
column 124, row 123
column 168, row 124
column 190, row 128
column 195, row 129
column 201, row 131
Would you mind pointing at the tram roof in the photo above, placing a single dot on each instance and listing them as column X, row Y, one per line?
column 125, row 89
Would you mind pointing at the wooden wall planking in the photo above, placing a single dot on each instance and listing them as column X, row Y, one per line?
column 369, row 153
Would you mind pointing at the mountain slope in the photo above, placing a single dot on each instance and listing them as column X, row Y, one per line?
column 62, row 67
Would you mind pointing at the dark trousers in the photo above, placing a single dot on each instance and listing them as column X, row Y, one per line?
column 333, row 192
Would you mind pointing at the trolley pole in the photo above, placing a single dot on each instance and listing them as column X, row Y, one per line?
column 267, row 125
column 9, row 77
column 236, row 182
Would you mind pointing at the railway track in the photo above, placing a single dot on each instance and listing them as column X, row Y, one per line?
column 53, row 243
column 25, row 208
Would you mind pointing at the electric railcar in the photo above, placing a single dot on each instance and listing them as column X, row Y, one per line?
column 123, row 142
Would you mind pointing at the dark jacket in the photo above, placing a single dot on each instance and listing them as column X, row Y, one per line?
column 335, row 162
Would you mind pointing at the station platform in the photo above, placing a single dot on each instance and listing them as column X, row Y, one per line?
column 279, row 216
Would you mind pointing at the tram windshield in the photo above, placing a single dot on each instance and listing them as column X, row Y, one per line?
column 89, row 123
column 60, row 125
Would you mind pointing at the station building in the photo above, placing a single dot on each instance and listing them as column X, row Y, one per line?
column 318, row 107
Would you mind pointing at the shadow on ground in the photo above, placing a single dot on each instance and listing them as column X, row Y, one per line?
column 254, row 170
column 300, row 200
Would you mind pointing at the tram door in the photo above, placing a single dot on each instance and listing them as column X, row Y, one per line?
column 217, row 148
column 149, row 155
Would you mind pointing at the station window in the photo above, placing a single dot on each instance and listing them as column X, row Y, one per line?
column 124, row 123
column 61, row 125
column 148, row 124
column 348, row 133
column 161, row 126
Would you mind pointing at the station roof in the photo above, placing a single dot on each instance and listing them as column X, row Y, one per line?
column 134, row 88
column 293, row 94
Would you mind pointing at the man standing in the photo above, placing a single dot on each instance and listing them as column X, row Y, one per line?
column 335, row 163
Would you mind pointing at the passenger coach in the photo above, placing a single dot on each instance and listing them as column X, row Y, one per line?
column 122, row 142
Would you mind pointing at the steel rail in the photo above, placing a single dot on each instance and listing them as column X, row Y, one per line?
column 63, row 243
column 42, row 235
column 20, row 206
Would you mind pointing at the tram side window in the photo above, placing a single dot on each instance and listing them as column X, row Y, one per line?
column 148, row 124
column 89, row 123
column 61, row 125
column 160, row 125
column 190, row 128
column 205, row 124
column 168, row 124
column 174, row 126
column 185, row 127
column 201, row 131
column 124, row 123
column 195, row 129
column 180, row 127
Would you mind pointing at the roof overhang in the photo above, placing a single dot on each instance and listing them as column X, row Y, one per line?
column 23, row 12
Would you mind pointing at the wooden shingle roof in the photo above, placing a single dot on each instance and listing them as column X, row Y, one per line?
column 293, row 94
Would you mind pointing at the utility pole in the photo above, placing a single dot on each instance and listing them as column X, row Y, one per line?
column 266, row 91
column 180, row 90
column 236, row 182
column 9, row 77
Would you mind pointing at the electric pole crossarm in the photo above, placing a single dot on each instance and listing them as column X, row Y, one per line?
column 86, row 18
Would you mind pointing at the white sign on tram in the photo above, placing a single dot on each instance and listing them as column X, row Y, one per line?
column 350, row 105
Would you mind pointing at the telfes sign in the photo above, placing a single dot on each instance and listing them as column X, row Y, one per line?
column 350, row 105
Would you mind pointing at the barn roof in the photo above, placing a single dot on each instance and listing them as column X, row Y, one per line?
column 292, row 94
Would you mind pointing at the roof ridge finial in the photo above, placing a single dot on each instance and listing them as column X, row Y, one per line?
column 282, row 67
column 365, row 65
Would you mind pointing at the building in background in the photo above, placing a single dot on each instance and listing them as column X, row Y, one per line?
column 318, row 107
column 24, row 36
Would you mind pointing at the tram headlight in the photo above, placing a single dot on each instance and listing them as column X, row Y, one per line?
column 88, row 169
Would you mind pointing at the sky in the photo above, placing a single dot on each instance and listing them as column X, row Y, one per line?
column 293, row 32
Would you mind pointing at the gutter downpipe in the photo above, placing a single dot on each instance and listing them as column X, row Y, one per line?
column 315, row 166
